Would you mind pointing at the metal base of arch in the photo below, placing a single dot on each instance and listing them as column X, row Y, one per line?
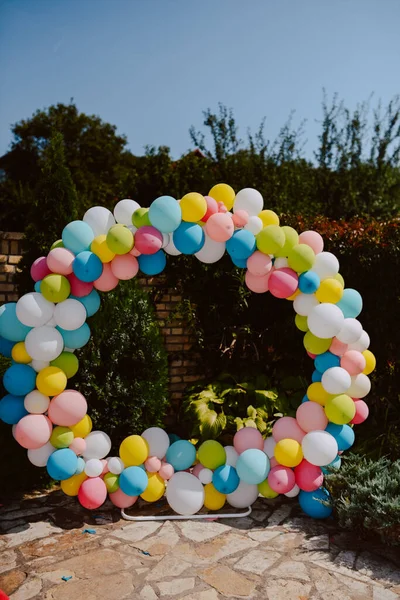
column 186, row 517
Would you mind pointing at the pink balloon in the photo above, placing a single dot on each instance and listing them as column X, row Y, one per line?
column 353, row 361
column 33, row 431
column 311, row 355
column 107, row 280
column 105, row 467
column 337, row 347
column 212, row 208
column 283, row 282
column 257, row 284
column 222, row 208
column 362, row 412
column 78, row 445
column 287, row 428
column 281, row 479
column 259, row 264
column 152, row 464
column 246, row 438
column 311, row 416
column 79, row 288
column 68, row 408
column 196, row 469
column 92, row 493
column 166, row 471
column 273, row 462
column 240, row 218
column 220, row 227
column 134, row 252
column 148, row 240
column 122, row 500
column 312, row 239
column 59, row 260
column 39, row 269
column 308, row 477
column 124, row 266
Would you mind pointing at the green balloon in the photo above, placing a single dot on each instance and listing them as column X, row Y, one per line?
column 301, row 323
column 291, row 239
column 57, row 244
column 316, row 345
column 55, row 287
column 61, row 437
column 271, row 239
column 140, row 217
column 119, row 239
column 211, row 454
column 67, row 362
column 112, row 482
column 301, row 258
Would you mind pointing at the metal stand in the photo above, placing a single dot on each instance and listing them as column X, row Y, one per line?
column 186, row 517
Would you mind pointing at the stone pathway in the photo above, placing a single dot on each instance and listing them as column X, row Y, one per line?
column 277, row 554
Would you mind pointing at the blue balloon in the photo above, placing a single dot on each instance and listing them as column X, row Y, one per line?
column 253, row 466
column 350, row 303
column 241, row 245
column 77, row 338
column 316, row 504
column 19, row 379
column 188, row 238
column 62, row 464
column 181, row 455
column 133, row 481
column 316, row 376
column 335, row 464
column 309, row 282
column 77, row 236
column 343, row 434
column 241, row 263
column 12, row 409
column 152, row 264
column 91, row 302
column 225, row 479
column 80, row 467
column 325, row 361
column 5, row 347
column 305, row 399
column 165, row 214
column 11, row 327
column 36, row 287
column 87, row 266
column 173, row 437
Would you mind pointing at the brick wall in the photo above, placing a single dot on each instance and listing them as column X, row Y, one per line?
column 177, row 337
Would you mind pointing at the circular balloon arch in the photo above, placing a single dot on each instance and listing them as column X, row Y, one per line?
column 42, row 331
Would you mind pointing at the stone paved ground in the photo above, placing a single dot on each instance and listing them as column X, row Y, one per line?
column 277, row 554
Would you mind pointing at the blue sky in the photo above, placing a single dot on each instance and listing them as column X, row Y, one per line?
column 151, row 66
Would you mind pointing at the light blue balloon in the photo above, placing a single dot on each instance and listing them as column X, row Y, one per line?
column 335, row 464
column 165, row 214
column 152, row 264
column 241, row 263
column 350, row 303
column 62, row 464
column 253, row 466
column 36, row 287
column 19, row 379
column 91, row 302
column 343, row 434
column 316, row 377
column 12, row 409
column 181, row 455
column 325, row 361
column 5, row 347
column 225, row 479
column 188, row 238
column 305, row 399
column 80, row 467
column 173, row 437
column 11, row 327
column 314, row 503
column 133, row 481
column 309, row 282
column 241, row 245
column 77, row 236
column 77, row 338
column 87, row 266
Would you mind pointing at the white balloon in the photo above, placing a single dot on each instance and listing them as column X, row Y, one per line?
column 70, row 314
column 170, row 248
column 44, row 343
column 360, row 386
column 98, row 445
column 124, row 210
column 34, row 310
column 304, row 303
column 293, row 492
column 211, row 252
column 244, row 495
column 231, row 456
column 350, row 332
column 37, row 403
column 319, row 447
column 269, row 446
column 281, row 263
column 40, row 456
column 166, row 238
column 185, row 493
column 100, row 219
column 254, row 225
column 38, row 365
column 205, row 476
column 326, row 265
column 361, row 344
column 336, row 380
column 115, row 465
column 51, row 322
column 93, row 467
column 325, row 320
column 249, row 200
column 157, row 440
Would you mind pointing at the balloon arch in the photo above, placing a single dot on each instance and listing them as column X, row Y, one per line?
column 44, row 328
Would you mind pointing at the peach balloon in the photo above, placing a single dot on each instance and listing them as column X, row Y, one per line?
column 288, row 427
column 240, row 218
column 222, row 208
column 362, row 412
column 78, row 445
column 68, row 408
column 124, row 266
column 122, row 500
column 152, row 464
column 33, row 431
column 196, row 469
column 135, row 252
column 283, row 282
column 92, row 493
column 59, row 260
column 259, row 264
column 246, row 438
column 79, row 288
column 257, row 284
column 220, row 227
column 312, row 239
column 166, row 471
column 105, row 467
column 273, row 462
column 353, row 361
column 337, row 347
column 107, row 280
column 311, row 416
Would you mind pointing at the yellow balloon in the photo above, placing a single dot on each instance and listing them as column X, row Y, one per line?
column 340, row 409
column 268, row 217
column 370, row 362
column 71, row 486
column 330, row 290
column 316, row 345
column 99, row 248
column 155, row 488
column 339, row 278
column 19, row 354
column 61, row 437
column 293, row 296
column 134, row 450
column 288, row 452
column 193, row 206
column 83, row 428
column 51, row 381
column 213, row 499
column 317, row 393
column 265, row 490
column 222, row 192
